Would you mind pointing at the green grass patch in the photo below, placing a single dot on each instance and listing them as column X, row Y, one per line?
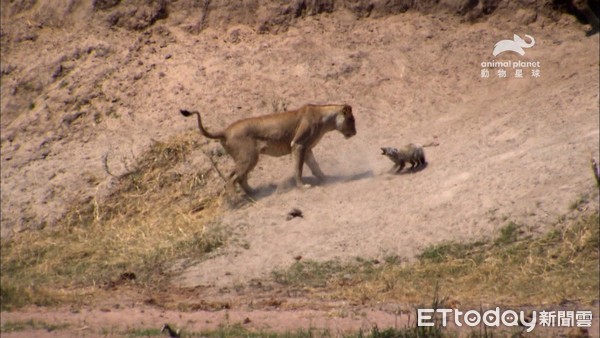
column 238, row 330
column 15, row 326
column 582, row 200
column 410, row 331
column 144, row 333
column 511, row 268
column 450, row 250
column 315, row 274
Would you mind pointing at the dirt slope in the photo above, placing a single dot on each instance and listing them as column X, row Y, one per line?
column 509, row 148
column 70, row 86
column 66, row 108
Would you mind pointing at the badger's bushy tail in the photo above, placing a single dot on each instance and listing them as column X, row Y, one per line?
column 431, row 144
column 218, row 136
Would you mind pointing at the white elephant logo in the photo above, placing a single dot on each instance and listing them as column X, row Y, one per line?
column 515, row 45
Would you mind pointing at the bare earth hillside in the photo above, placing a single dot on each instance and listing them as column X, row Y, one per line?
column 95, row 90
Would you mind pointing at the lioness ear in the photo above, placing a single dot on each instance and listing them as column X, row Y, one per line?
column 347, row 110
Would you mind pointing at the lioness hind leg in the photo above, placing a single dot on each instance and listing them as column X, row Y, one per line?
column 313, row 165
column 245, row 160
column 243, row 181
column 241, row 173
column 230, row 186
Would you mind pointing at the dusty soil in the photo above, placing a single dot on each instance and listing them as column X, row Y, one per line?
column 510, row 148
column 110, row 322
column 87, row 322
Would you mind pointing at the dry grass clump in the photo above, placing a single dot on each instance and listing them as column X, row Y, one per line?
column 156, row 214
column 512, row 269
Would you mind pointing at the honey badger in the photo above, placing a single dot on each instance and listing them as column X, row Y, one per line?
column 412, row 153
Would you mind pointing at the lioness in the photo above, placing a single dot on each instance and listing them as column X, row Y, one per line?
column 295, row 131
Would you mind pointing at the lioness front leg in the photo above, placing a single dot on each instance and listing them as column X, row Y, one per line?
column 313, row 165
column 299, row 152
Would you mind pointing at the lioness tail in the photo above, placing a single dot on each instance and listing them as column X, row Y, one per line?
column 219, row 135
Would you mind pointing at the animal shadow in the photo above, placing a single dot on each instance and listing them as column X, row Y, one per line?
column 263, row 191
column 289, row 184
column 411, row 171
column 347, row 178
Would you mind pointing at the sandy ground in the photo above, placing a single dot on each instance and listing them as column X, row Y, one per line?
column 133, row 320
column 87, row 323
column 510, row 148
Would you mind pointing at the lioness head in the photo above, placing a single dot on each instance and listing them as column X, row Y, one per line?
column 344, row 122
